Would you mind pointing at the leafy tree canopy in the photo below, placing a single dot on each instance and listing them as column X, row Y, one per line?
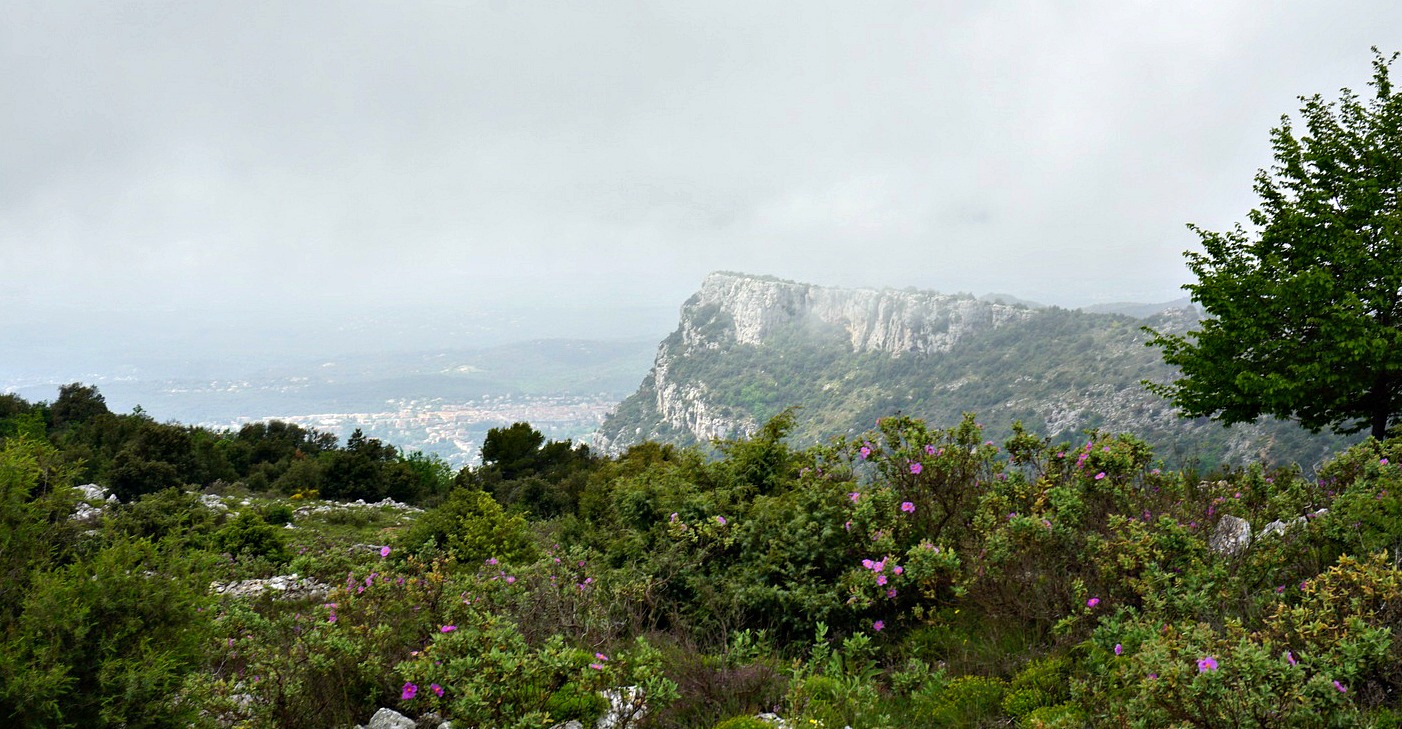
column 1305, row 311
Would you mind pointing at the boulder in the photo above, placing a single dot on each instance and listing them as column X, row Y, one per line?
column 626, row 707
column 390, row 719
column 1231, row 536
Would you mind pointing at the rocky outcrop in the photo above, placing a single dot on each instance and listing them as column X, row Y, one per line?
column 747, row 347
column 736, row 309
column 282, row 587
column 733, row 307
column 1231, row 536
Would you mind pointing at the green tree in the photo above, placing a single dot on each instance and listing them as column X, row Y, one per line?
column 78, row 403
column 512, row 450
column 1305, row 312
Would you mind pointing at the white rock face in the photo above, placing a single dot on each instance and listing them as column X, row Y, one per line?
column 733, row 309
column 390, row 719
column 626, row 707
column 285, row 587
column 95, row 501
column 1231, row 536
column 874, row 321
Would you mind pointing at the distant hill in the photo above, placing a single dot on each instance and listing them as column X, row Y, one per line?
column 747, row 347
column 1139, row 311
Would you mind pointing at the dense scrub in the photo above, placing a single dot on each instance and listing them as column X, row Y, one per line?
column 909, row 576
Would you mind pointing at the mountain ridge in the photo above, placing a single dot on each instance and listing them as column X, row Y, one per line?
column 747, row 347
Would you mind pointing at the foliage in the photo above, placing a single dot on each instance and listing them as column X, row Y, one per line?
column 1305, row 315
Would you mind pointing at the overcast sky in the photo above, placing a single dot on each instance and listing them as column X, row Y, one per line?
column 197, row 156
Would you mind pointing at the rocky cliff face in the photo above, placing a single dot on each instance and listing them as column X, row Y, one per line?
column 737, row 309
column 749, row 346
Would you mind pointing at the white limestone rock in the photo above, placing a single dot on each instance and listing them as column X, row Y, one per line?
column 1231, row 536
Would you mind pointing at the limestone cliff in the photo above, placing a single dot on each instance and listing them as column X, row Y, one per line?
column 748, row 346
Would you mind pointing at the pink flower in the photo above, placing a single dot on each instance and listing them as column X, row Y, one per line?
column 929, row 450
column 881, row 579
column 492, row 561
column 1207, row 663
column 1099, row 476
column 891, row 593
column 510, row 579
column 1290, row 658
column 1119, row 649
column 907, row 507
column 408, row 692
column 1092, row 602
column 865, row 452
column 597, row 666
column 868, row 563
column 878, row 626
column 720, row 520
column 1340, row 687
column 435, row 688
column 854, row 496
column 384, row 551
column 898, row 569
column 601, row 656
column 447, row 628
column 916, row 468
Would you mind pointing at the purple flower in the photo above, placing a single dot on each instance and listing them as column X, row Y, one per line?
column 1207, row 663
column 881, row 579
column 1290, row 658
column 1340, row 687
column 878, row 626
column 1153, row 676
column 492, row 561
column 929, row 450
column 898, row 569
column 447, row 628
column 907, row 507
column 601, row 656
column 1092, row 602
column 384, row 551
column 891, row 593
column 435, row 688
column 916, row 468
column 864, row 451
column 854, row 496
column 597, row 666
column 868, row 564
column 1099, row 476
column 1119, row 649
column 408, row 692
column 720, row 520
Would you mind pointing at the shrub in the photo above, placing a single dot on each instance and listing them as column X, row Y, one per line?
column 471, row 526
column 248, row 537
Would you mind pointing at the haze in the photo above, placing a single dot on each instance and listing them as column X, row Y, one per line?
column 209, row 177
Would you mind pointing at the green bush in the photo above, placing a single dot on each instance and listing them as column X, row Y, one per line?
column 472, row 527
column 966, row 701
column 107, row 641
column 248, row 537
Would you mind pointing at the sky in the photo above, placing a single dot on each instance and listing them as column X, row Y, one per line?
column 255, row 164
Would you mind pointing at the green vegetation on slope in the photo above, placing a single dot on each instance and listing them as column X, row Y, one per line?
column 1057, row 372
column 905, row 576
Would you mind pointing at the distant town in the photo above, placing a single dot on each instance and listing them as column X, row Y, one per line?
column 454, row 430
